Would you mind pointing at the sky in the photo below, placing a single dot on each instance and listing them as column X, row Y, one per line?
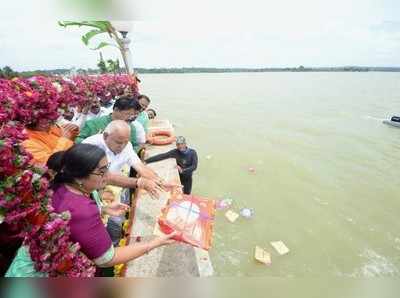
column 209, row 33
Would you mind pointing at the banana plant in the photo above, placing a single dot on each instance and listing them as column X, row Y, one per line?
column 101, row 27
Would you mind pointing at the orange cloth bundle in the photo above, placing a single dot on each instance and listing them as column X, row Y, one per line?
column 192, row 217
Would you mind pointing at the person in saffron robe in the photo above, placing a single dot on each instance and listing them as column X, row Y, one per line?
column 44, row 139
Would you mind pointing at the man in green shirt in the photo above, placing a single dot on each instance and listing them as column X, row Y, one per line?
column 125, row 108
column 143, row 117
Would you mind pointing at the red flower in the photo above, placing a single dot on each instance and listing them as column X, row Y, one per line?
column 64, row 265
column 27, row 197
column 37, row 219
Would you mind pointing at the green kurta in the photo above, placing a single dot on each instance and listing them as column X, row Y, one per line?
column 23, row 266
column 143, row 119
column 98, row 125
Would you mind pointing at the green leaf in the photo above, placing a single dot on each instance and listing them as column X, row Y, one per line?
column 101, row 25
column 17, row 161
column 86, row 38
column 68, row 23
column 104, row 44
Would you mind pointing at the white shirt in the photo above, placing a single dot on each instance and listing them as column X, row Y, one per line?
column 140, row 133
column 80, row 118
column 117, row 161
column 61, row 121
column 109, row 109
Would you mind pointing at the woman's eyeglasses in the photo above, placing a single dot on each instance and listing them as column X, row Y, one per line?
column 102, row 171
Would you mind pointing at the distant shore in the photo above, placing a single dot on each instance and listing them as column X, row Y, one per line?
column 283, row 69
column 63, row 71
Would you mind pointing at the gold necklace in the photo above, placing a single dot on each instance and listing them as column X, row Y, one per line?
column 80, row 188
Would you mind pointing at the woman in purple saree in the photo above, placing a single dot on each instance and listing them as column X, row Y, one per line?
column 81, row 170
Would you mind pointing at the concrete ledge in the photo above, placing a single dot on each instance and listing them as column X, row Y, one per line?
column 177, row 260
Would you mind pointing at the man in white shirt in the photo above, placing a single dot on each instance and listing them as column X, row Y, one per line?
column 115, row 141
column 91, row 111
column 107, row 106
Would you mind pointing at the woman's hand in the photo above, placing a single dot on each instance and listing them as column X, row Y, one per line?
column 163, row 240
column 115, row 209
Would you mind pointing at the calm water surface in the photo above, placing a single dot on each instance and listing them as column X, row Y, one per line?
column 326, row 178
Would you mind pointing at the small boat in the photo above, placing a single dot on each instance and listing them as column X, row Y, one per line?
column 394, row 121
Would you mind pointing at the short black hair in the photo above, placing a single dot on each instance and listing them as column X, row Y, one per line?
column 145, row 97
column 126, row 103
column 77, row 162
column 152, row 110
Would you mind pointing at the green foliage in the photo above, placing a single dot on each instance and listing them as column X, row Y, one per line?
column 100, row 28
column 102, row 65
column 110, row 66
column 113, row 66
column 102, row 45
column 86, row 38
column 7, row 73
column 104, row 26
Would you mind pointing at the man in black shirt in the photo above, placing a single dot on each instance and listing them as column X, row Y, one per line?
column 186, row 158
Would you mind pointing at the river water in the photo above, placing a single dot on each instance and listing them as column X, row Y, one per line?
column 326, row 170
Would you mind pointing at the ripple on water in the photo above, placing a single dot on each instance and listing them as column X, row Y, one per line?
column 375, row 265
column 319, row 201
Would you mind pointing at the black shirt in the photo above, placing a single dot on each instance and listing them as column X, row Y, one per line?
column 187, row 161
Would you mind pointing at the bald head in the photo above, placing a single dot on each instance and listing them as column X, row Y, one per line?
column 117, row 135
column 118, row 126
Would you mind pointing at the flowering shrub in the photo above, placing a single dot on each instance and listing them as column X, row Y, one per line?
column 26, row 100
column 7, row 101
column 106, row 87
column 36, row 98
column 25, row 197
column 26, row 207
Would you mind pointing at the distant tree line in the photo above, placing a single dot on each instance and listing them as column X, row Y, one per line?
column 275, row 69
column 6, row 72
column 111, row 66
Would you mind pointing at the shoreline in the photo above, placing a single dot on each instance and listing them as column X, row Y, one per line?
column 210, row 70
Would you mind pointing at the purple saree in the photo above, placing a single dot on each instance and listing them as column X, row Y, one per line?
column 86, row 226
